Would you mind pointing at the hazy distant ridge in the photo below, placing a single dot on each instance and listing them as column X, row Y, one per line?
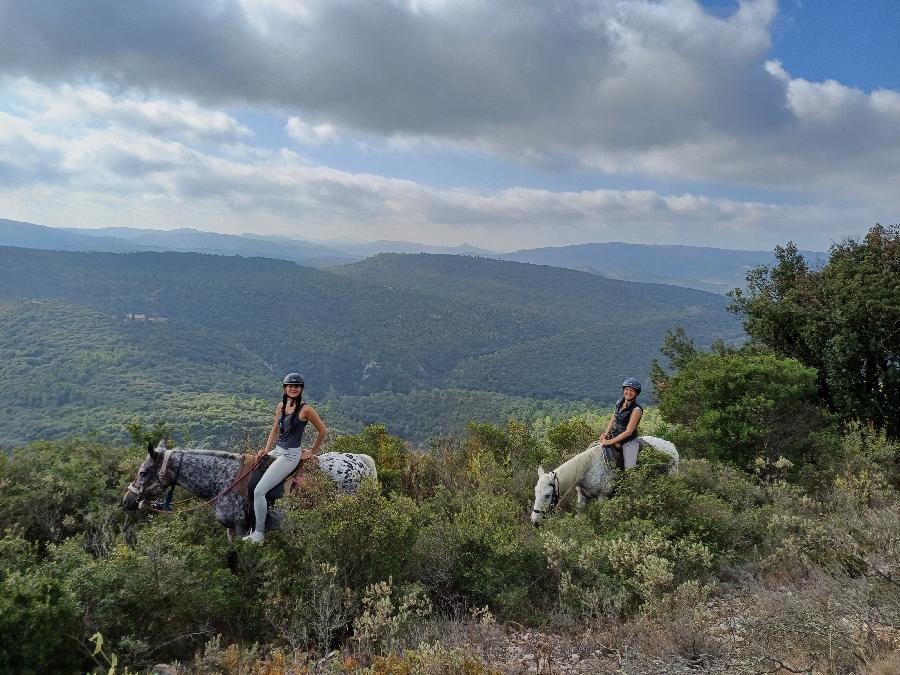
column 715, row 270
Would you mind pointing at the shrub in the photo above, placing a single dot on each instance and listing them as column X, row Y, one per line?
column 39, row 619
column 618, row 572
column 739, row 405
column 571, row 435
column 367, row 536
column 389, row 452
column 172, row 585
column 494, row 551
column 388, row 614
column 52, row 489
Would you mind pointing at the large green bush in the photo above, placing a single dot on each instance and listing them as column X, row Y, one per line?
column 739, row 405
column 840, row 320
column 39, row 618
column 52, row 490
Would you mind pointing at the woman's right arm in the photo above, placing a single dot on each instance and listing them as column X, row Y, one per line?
column 273, row 434
column 605, row 434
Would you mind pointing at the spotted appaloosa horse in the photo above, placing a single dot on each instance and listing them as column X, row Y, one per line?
column 589, row 473
column 208, row 474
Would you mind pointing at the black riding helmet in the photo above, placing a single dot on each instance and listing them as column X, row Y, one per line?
column 293, row 378
column 633, row 383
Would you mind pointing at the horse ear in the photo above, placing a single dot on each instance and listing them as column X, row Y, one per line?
column 162, row 444
column 540, row 470
column 150, row 448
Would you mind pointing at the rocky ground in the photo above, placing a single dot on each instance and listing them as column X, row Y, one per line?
column 818, row 626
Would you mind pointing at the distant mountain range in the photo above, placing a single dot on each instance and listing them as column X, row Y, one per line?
column 717, row 270
column 90, row 340
column 132, row 240
column 710, row 269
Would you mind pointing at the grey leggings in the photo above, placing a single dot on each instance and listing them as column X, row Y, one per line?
column 285, row 462
column 630, row 451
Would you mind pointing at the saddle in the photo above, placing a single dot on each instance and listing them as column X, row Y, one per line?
column 247, row 485
column 614, row 455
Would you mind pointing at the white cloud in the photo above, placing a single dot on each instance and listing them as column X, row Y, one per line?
column 124, row 101
column 106, row 176
column 657, row 88
column 310, row 134
column 67, row 104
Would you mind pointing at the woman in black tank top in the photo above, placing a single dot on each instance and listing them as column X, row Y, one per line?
column 622, row 428
column 291, row 417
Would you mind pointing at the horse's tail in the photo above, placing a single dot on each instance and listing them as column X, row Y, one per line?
column 369, row 462
column 667, row 447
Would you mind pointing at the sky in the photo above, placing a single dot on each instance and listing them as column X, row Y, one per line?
column 505, row 124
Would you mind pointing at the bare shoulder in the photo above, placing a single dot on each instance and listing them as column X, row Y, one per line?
column 307, row 411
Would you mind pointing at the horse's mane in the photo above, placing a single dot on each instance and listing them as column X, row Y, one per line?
column 570, row 471
column 193, row 451
column 211, row 453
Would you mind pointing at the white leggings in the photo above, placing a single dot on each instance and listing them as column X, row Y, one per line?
column 285, row 462
column 630, row 451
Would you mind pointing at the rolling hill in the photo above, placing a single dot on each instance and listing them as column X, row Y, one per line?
column 95, row 338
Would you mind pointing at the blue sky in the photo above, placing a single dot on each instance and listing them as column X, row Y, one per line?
column 504, row 124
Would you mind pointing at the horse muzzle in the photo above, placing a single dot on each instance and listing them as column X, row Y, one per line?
column 132, row 500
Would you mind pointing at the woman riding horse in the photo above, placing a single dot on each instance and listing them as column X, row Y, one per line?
column 291, row 417
column 622, row 427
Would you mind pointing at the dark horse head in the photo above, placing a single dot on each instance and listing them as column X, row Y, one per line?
column 152, row 478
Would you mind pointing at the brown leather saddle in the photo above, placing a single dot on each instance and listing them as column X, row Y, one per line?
column 247, row 484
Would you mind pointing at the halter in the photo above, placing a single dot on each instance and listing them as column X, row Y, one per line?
column 554, row 497
column 160, row 476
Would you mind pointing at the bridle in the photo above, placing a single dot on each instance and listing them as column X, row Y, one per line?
column 554, row 497
column 159, row 486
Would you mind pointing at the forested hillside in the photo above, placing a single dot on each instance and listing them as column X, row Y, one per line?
column 772, row 549
column 101, row 337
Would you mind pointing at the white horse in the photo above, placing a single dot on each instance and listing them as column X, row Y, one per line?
column 589, row 473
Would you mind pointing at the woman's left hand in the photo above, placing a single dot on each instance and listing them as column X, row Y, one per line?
column 307, row 455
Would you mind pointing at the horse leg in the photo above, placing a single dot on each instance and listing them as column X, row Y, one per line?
column 582, row 498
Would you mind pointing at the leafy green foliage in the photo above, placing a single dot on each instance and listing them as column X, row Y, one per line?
column 37, row 619
column 389, row 452
column 840, row 320
column 159, row 587
column 740, row 405
column 55, row 490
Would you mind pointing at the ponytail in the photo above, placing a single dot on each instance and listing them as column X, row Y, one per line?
column 295, row 414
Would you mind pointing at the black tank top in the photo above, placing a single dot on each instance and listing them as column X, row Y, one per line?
column 290, row 428
column 622, row 418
